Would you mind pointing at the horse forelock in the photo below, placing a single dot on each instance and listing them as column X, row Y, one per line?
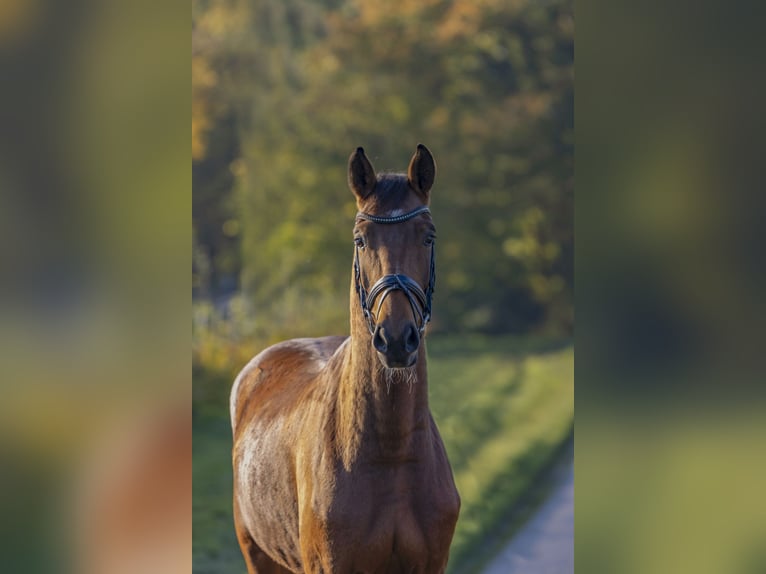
column 392, row 194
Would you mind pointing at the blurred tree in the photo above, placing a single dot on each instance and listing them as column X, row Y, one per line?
column 214, row 147
column 487, row 85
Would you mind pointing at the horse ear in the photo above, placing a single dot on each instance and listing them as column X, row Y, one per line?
column 422, row 171
column 361, row 174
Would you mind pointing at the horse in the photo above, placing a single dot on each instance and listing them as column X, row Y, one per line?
column 338, row 464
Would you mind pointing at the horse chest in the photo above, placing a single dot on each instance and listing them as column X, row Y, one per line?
column 385, row 521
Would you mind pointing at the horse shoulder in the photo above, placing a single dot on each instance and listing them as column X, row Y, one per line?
column 275, row 378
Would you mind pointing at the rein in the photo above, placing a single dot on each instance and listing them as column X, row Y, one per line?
column 420, row 301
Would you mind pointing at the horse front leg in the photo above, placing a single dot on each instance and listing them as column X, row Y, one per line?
column 316, row 551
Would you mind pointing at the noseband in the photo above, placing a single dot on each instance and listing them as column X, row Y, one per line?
column 420, row 301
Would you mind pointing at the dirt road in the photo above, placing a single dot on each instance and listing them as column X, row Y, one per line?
column 545, row 544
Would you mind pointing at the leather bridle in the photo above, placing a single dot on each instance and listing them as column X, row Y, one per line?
column 420, row 301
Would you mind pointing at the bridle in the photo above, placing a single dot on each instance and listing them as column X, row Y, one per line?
column 420, row 301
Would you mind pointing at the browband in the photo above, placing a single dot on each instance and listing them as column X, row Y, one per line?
column 394, row 219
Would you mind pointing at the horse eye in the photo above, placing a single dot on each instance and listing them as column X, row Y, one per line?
column 360, row 243
column 428, row 241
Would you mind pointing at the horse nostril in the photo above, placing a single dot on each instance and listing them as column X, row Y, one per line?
column 411, row 339
column 379, row 340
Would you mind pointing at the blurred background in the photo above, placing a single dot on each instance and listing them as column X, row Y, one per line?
column 95, row 205
column 671, row 424
column 282, row 93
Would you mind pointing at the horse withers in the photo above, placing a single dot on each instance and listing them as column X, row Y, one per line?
column 338, row 464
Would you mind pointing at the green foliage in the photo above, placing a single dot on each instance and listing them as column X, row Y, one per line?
column 214, row 544
column 486, row 85
column 503, row 405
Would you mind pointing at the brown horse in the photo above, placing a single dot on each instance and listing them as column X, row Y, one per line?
column 338, row 464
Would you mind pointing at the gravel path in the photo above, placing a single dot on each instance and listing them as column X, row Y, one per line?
column 545, row 544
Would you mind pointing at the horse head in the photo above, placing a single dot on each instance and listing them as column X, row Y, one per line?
column 394, row 254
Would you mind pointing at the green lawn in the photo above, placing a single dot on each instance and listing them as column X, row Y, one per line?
column 504, row 406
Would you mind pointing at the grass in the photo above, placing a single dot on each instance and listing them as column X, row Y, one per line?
column 214, row 546
column 504, row 407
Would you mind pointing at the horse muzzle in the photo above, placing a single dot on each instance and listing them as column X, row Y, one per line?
column 396, row 351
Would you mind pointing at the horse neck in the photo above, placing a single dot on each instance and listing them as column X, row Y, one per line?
column 381, row 411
